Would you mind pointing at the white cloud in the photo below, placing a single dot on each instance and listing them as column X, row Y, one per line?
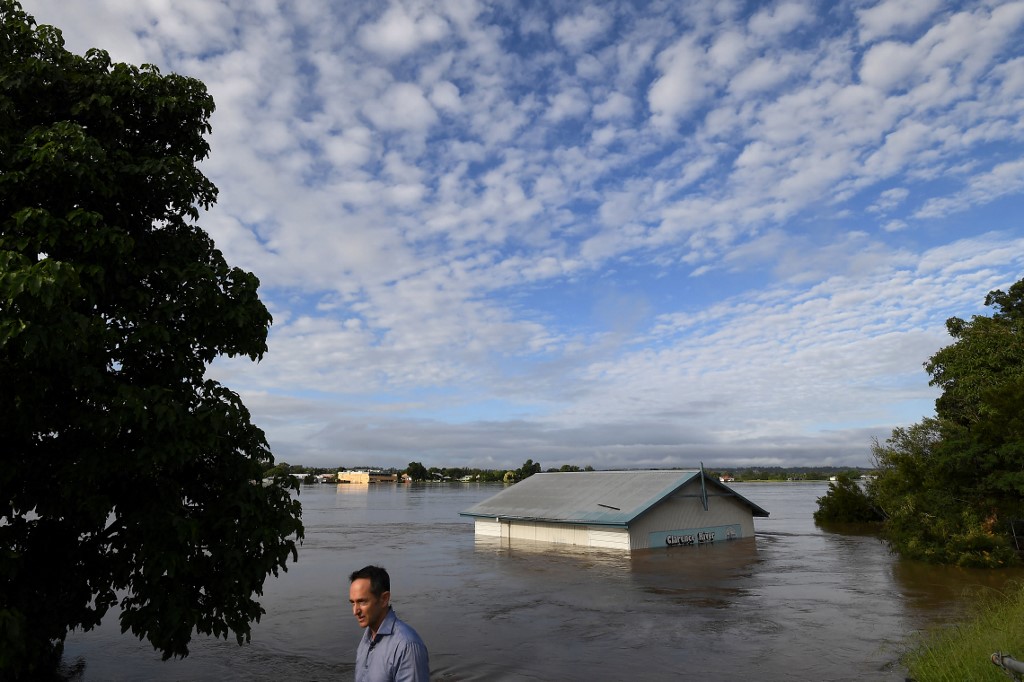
column 353, row 147
column 780, row 20
column 1002, row 180
column 604, row 136
column 900, row 145
column 402, row 106
column 615, row 106
column 568, row 104
column 728, row 50
column 763, row 74
column 889, row 199
column 681, row 88
column 398, row 32
column 894, row 16
column 888, row 65
column 579, row 31
column 445, row 96
column 964, row 45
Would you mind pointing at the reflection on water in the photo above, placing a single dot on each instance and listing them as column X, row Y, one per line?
column 943, row 590
column 793, row 603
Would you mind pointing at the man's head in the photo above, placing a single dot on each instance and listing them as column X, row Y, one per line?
column 370, row 596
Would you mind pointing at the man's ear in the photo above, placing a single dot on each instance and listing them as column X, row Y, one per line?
column 386, row 598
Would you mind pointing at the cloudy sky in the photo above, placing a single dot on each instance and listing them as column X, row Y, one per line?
column 623, row 234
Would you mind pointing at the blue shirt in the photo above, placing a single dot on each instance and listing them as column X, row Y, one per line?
column 396, row 654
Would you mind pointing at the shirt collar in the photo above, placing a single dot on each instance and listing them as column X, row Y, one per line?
column 387, row 626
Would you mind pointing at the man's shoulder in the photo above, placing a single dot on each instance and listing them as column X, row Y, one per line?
column 404, row 631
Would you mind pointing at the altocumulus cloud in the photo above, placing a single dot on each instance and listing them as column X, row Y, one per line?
column 631, row 234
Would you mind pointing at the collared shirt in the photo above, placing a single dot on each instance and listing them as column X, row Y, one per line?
column 396, row 653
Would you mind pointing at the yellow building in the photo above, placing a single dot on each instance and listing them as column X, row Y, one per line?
column 366, row 477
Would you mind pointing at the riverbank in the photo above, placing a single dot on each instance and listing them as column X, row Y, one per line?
column 962, row 651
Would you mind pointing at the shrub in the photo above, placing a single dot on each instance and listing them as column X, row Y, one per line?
column 846, row 502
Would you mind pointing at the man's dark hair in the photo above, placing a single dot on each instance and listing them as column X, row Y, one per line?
column 380, row 581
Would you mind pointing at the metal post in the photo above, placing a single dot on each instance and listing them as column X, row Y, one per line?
column 703, row 490
column 1011, row 665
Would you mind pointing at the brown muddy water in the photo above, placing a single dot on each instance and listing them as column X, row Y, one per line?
column 793, row 603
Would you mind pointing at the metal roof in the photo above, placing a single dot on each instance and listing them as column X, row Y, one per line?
column 613, row 498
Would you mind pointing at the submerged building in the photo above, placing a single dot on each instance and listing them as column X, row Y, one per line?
column 617, row 510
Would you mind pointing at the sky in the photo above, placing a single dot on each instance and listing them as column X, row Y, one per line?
column 618, row 234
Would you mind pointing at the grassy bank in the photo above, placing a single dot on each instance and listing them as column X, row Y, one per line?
column 961, row 652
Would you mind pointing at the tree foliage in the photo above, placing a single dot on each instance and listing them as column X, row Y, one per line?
column 128, row 478
column 528, row 469
column 950, row 485
column 846, row 502
column 417, row 471
column 987, row 356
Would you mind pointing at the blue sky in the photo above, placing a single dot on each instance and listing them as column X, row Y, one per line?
column 619, row 234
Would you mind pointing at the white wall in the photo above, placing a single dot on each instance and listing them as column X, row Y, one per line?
column 555, row 533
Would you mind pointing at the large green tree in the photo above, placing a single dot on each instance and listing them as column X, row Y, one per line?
column 127, row 478
column 951, row 485
column 528, row 469
column 417, row 471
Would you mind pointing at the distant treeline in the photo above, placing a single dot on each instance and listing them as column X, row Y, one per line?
column 822, row 473
column 417, row 471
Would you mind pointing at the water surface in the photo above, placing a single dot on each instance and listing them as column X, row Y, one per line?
column 793, row 603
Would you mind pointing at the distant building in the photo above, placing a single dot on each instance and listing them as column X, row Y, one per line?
column 617, row 510
column 366, row 477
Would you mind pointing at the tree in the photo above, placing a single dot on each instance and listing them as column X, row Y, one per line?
column 528, row 469
column 417, row 471
column 988, row 353
column 128, row 478
column 950, row 485
column 846, row 502
column 930, row 515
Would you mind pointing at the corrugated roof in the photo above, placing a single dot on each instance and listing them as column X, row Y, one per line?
column 612, row 498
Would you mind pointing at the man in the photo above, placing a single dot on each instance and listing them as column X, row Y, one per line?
column 390, row 650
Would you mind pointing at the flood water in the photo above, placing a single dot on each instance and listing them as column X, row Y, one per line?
column 793, row 603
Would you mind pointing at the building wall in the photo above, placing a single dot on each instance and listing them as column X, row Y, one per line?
column 555, row 533
column 609, row 538
column 365, row 477
column 682, row 516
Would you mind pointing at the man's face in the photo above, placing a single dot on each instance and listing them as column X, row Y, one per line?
column 368, row 608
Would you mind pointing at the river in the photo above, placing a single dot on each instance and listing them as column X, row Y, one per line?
column 793, row 603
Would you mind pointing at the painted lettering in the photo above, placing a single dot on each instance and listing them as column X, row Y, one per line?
column 697, row 537
column 679, row 540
